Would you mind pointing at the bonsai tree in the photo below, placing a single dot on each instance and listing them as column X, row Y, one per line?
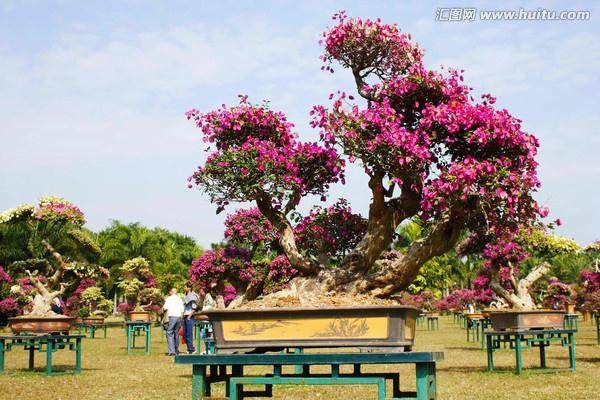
column 428, row 149
column 523, row 262
column 558, row 295
column 94, row 303
column 138, row 286
column 48, row 244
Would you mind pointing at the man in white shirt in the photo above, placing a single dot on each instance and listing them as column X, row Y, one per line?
column 174, row 309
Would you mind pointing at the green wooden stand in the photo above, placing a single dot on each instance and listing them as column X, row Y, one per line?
column 218, row 364
column 42, row 343
column 136, row 328
column 90, row 329
column 519, row 340
column 433, row 323
column 571, row 321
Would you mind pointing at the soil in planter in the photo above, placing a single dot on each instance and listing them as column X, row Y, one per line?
column 319, row 301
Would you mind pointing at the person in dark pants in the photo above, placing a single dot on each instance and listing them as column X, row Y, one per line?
column 190, row 306
column 174, row 309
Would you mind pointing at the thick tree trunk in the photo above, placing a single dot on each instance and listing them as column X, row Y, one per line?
column 384, row 218
column 519, row 298
column 402, row 272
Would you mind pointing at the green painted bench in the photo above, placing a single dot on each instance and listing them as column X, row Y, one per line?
column 136, row 328
column 526, row 339
column 229, row 368
column 48, row 344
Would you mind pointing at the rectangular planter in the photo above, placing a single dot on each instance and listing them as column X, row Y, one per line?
column 524, row 320
column 391, row 327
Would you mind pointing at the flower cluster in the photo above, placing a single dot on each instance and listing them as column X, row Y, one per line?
column 51, row 207
column 215, row 267
column 249, row 228
column 330, row 231
column 590, row 290
column 358, row 44
column 23, row 211
column 558, row 294
column 74, row 303
column 257, row 155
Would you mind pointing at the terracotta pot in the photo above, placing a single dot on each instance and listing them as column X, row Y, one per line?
column 139, row 316
column 433, row 314
column 93, row 321
column 587, row 316
column 391, row 327
column 570, row 308
column 30, row 324
column 475, row 315
column 524, row 320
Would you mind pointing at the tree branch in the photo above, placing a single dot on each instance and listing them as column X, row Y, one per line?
column 62, row 265
column 287, row 239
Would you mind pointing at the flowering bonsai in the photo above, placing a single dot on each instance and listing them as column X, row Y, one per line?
column 559, row 295
column 49, row 246
column 428, row 150
column 138, row 285
column 589, row 293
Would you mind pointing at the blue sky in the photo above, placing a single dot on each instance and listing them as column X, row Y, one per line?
column 93, row 95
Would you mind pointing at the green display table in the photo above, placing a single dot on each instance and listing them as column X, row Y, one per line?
column 43, row 343
column 571, row 321
column 519, row 340
column 425, row 364
column 432, row 323
column 90, row 329
column 134, row 329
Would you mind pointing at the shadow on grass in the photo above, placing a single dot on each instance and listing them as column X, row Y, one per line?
column 461, row 369
column 464, row 348
column 584, row 359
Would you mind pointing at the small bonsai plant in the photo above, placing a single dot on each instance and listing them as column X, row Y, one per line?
column 138, row 286
column 559, row 295
column 95, row 304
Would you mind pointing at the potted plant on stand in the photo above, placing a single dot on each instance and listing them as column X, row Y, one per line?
column 139, row 289
column 54, row 251
column 559, row 296
column 95, row 306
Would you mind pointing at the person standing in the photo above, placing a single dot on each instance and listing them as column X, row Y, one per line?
column 174, row 309
column 190, row 304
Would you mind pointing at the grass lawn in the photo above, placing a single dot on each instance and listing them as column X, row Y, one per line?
column 109, row 373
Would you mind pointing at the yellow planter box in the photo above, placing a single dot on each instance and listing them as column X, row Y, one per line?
column 392, row 327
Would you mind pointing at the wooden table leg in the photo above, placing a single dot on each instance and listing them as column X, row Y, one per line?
column 77, row 355
column 198, row 381
column 490, row 352
column 518, row 355
column 31, row 356
column 571, row 351
column 2, row 349
column 426, row 381
column 49, row 349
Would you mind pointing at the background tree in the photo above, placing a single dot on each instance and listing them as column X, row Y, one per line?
column 428, row 149
column 168, row 253
column 49, row 245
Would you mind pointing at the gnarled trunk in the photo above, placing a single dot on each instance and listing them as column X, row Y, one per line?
column 402, row 271
column 519, row 298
